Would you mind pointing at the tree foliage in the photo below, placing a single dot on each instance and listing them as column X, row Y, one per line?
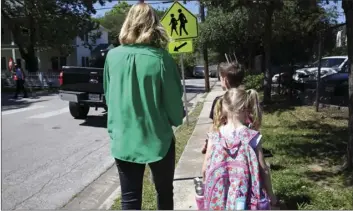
column 37, row 24
column 114, row 19
column 241, row 30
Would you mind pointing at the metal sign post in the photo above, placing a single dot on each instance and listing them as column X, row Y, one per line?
column 184, row 87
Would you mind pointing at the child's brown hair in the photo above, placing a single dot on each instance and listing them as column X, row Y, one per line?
column 232, row 73
column 234, row 76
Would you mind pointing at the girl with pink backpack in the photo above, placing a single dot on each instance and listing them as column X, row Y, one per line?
column 235, row 175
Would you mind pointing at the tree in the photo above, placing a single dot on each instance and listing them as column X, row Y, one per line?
column 241, row 30
column 114, row 19
column 256, row 7
column 347, row 6
column 39, row 25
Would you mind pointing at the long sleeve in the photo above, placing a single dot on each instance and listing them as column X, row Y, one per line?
column 106, row 80
column 172, row 91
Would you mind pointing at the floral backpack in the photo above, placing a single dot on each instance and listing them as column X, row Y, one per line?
column 232, row 176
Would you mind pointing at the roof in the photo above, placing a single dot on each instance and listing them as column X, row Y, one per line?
column 335, row 57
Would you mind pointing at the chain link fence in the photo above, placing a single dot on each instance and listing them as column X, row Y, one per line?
column 33, row 79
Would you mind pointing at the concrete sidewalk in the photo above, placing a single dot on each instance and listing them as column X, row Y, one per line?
column 190, row 163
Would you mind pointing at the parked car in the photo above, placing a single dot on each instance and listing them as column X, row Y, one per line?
column 82, row 87
column 308, row 74
column 199, row 71
column 329, row 65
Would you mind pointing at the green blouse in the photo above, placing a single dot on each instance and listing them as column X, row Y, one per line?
column 144, row 97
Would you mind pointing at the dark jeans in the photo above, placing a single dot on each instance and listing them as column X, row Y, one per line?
column 131, row 179
column 20, row 87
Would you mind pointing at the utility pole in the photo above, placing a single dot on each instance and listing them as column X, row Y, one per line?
column 204, row 51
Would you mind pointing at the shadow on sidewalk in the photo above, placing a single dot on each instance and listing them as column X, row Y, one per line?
column 96, row 121
column 10, row 104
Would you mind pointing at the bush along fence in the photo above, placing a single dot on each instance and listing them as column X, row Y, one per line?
column 33, row 80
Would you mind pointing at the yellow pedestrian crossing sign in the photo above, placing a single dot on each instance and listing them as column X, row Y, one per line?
column 180, row 23
column 181, row 46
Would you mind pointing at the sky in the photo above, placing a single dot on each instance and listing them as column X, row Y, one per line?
column 192, row 6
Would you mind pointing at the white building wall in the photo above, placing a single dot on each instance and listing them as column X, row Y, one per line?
column 45, row 57
column 84, row 53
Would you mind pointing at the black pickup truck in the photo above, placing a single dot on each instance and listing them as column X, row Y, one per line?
column 83, row 87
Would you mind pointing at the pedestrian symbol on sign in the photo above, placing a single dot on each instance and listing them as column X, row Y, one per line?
column 180, row 23
column 174, row 23
column 183, row 21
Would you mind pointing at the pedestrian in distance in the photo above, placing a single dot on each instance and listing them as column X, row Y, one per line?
column 20, row 81
column 144, row 96
column 234, row 151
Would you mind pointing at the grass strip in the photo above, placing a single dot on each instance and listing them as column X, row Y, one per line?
column 182, row 134
column 309, row 149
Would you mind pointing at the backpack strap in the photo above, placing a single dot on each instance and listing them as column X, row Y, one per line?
column 248, row 134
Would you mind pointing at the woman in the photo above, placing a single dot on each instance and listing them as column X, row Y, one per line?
column 143, row 93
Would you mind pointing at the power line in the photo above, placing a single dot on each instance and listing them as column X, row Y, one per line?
column 155, row 2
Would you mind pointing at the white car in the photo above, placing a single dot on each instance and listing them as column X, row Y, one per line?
column 329, row 65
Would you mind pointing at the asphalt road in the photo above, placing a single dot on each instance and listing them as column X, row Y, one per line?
column 47, row 156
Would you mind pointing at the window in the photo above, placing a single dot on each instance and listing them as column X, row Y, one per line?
column 84, row 37
column 329, row 62
column 62, row 61
column 3, row 63
column 54, row 63
column 345, row 68
column 87, row 62
column 84, row 61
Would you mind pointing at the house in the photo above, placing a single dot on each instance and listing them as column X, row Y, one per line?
column 341, row 37
column 51, row 60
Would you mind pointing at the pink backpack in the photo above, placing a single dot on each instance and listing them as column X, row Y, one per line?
column 232, row 175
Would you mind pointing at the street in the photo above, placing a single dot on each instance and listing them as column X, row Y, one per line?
column 47, row 156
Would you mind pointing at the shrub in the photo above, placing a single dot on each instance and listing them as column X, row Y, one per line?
column 254, row 81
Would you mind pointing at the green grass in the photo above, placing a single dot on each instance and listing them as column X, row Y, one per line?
column 309, row 150
column 182, row 135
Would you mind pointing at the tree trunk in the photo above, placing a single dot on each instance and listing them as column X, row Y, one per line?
column 267, row 49
column 205, row 51
column 348, row 10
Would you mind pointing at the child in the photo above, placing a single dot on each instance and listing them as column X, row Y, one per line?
column 231, row 76
column 234, row 170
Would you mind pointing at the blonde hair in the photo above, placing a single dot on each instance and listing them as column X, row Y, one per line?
column 218, row 119
column 142, row 26
column 240, row 101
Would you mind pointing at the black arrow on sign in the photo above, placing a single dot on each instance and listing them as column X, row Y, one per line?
column 176, row 49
